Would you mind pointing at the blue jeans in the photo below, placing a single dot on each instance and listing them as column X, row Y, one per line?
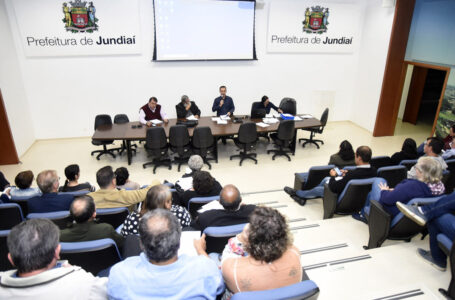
column 443, row 206
column 316, row 192
column 442, row 224
column 375, row 194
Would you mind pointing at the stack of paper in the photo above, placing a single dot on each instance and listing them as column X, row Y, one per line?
column 215, row 119
column 187, row 243
column 263, row 125
column 270, row 120
column 297, row 118
column 191, row 118
column 306, row 116
column 225, row 117
column 156, row 121
column 221, row 122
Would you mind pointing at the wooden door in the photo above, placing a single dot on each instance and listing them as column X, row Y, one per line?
column 411, row 112
column 8, row 153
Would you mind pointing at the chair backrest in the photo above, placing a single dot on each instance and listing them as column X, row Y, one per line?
column 248, row 133
column 450, row 164
column 155, row 138
column 400, row 217
column 217, row 237
column 257, row 111
column 380, row 161
column 354, row 195
column 102, row 120
column 60, row 218
column 303, row 290
column 288, row 106
column 179, row 136
column 286, row 130
column 75, row 193
column 23, row 203
column 324, row 117
column 10, row 215
column 316, row 174
column 92, row 256
column 114, row 216
column 194, row 204
column 202, row 137
column 4, row 262
column 121, row 119
column 408, row 163
column 393, row 174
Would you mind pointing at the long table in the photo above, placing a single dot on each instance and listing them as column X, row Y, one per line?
column 127, row 133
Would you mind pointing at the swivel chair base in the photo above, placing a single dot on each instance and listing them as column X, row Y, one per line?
column 242, row 155
column 105, row 151
column 157, row 163
column 311, row 141
column 279, row 152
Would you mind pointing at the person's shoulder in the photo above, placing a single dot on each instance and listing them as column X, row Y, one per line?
column 202, row 263
column 248, row 207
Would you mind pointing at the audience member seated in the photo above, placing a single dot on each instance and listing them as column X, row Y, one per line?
column 159, row 273
column 159, row 196
column 204, row 185
column 427, row 184
column 344, row 157
column 85, row 228
column 23, row 187
column 108, row 196
column 49, row 201
column 432, row 148
column 338, row 183
column 439, row 218
column 449, row 153
column 408, row 151
column 3, row 182
column 73, row 173
column 271, row 262
column 123, row 182
column 233, row 212
column 449, row 138
column 267, row 105
column 185, row 183
column 34, row 250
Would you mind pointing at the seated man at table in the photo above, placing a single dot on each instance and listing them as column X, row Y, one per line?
column 338, row 183
column 187, row 108
column 223, row 105
column 50, row 200
column 152, row 111
column 85, row 229
column 108, row 196
column 267, row 105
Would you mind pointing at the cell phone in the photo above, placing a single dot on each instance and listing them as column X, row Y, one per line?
column 338, row 171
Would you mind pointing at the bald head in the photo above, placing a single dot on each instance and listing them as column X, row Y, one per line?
column 230, row 197
column 82, row 209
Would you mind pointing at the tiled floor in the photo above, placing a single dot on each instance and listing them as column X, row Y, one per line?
column 394, row 268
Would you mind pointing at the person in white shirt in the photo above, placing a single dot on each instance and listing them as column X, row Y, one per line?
column 152, row 111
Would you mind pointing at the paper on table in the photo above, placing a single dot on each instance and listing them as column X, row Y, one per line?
column 306, row 116
column 296, row 118
column 225, row 117
column 221, row 122
column 263, row 125
column 187, row 243
column 270, row 115
column 270, row 120
column 287, row 115
column 209, row 206
column 215, row 119
column 156, row 121
column 191, row 118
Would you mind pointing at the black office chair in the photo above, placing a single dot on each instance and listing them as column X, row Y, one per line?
column 247, row 138
column 157, row 147
column 317, row 129
column 5, row 265
column 10, row 215
column 99, row 121
column 314, row 176
column 114, row 216
column 393, row 174
column 380, row 161
column 447, row 246
column 122, row 119
column 218, row 236
column 259, row 113
column 203, row 144
column 288, row 106
column 179, row 141
column 283, row 139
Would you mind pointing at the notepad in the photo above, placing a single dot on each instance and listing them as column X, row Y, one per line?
column 263, row 125
column 187, row 242
column 191, row 118
column 221, row 122
column 156, row 121
column 225, row 117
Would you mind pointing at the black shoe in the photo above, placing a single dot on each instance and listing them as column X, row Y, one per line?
column 290, row 191
column 360, row 217
column 301, row 201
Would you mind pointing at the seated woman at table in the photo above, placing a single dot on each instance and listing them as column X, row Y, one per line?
column 344, row 157
column 267, row 105
column 204, row 185
column 72, row 173
column 408, row 151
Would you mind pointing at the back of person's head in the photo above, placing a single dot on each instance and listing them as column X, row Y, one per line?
column 346, row 151
column 195, row 162
column 71, row 172
column 364, row 153
column 409, row 146
column 157, row 197
column 230, row 197
column 32, row 244
column 121, row 175
column 24, row 179
column 264, row 98
column 82, row 208
column 430, row 169
column 436, row 145
column 46, row 181
column 104, row 176
column 268, row 234
column 159, row 231
column 203, row 182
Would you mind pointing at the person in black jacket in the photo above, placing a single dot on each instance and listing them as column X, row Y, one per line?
column 187, row 108
column 408, row 151
column 204, row 185
column 338, row 183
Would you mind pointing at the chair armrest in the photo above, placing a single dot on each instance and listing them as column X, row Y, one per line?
column 378, row 225
column 423, row 201
column 329, row 202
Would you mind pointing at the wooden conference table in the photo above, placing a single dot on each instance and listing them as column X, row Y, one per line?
column 128, row 133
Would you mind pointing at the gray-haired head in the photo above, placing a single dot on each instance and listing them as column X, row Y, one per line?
column 160, row 232
column 430, row 170
column 32, row 244
column 195, row 162
column 185, row 98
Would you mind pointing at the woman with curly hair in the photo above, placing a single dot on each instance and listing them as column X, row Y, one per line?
column 265, row 259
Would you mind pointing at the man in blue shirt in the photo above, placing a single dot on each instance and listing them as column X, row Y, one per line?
column 223, row 105
column 267, row 105
column 159, row 273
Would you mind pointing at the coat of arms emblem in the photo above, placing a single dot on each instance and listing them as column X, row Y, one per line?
column 79, row 17
column 316, row 20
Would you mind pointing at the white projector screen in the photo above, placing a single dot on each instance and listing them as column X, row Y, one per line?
column 204, row 30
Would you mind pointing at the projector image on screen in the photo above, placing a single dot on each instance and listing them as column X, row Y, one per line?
column 204, row 30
